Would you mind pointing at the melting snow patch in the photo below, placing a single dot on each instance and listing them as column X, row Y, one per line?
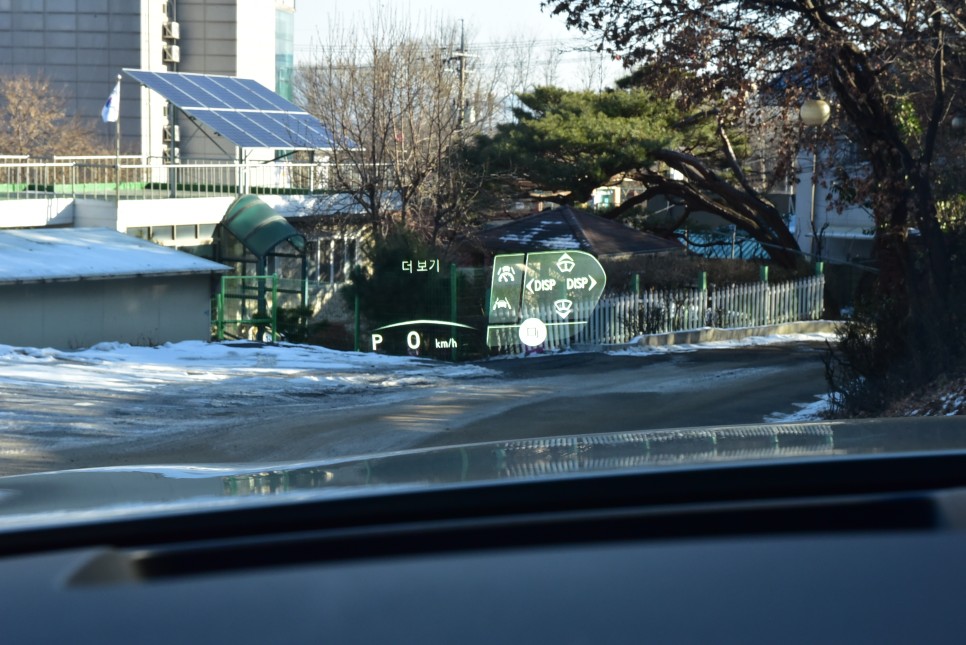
column 807, row 412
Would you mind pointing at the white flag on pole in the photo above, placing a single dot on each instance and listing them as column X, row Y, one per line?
column 112, row 108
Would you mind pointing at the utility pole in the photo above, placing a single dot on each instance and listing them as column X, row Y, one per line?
column 461, row 54
column 460, row 57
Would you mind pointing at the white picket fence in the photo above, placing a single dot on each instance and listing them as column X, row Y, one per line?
column 750, row 305
column 620, row 318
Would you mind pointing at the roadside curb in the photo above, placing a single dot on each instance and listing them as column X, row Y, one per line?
column 710, row 334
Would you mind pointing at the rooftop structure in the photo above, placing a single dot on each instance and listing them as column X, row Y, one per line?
column 55, row 254
column 71, row 288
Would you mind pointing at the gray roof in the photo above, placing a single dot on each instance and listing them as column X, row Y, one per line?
column 53, row 254
column 567, row 228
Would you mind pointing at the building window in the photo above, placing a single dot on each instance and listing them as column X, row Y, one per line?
column 186, row 233
column 162, row 234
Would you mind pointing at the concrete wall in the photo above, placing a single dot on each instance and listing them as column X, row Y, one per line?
column 139, row 311
column 208, row 36
column 182, row 210
column 33, row 213
column 95, row 213
column 229, row 38
column 208, row 45
column 181, row 222
column 99, row 213
column 255, row 47
column 153, row 106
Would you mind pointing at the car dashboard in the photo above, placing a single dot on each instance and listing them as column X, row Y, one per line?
column 854, row 549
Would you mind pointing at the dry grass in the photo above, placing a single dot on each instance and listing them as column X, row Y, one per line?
column 946, row 397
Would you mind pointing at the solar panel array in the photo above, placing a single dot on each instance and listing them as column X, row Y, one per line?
column 239, row 109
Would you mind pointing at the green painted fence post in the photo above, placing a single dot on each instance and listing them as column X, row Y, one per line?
column 220, row 323
column 274, row 308
column 763, row 272
column 355, row 335
column 703, row 288
column 819, row 268
column 453, row 308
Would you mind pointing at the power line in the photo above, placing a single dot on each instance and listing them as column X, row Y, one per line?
column 570, row 45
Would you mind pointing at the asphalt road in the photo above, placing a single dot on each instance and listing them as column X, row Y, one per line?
column 536, row 397
column 586, row 393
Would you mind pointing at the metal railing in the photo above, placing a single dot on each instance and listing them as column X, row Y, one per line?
column 131, row 178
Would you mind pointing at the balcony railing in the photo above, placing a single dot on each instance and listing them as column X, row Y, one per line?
column 105, row 178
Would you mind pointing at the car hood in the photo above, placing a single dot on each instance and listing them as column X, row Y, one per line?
column 102, row 494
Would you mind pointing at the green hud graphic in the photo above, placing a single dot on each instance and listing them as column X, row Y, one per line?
column 533, row 295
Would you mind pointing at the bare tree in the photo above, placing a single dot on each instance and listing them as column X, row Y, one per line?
column 550, row 66
column 33, row 121
column 400, row 102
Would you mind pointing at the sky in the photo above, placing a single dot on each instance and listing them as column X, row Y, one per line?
column 521, row 23
column 491, row 20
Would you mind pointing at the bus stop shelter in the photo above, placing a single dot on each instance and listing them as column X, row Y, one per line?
column 270, row 262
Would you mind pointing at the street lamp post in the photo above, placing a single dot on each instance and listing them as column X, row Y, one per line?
column 814, row 113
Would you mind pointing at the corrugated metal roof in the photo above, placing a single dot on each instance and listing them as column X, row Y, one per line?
column 54, row 254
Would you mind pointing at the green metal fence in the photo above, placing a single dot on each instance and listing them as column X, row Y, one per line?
column 247, row 307
column 436, row 311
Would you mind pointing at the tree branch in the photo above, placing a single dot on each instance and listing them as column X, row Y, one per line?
column 939, row 92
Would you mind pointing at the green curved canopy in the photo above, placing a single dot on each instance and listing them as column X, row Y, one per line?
column 258, row 227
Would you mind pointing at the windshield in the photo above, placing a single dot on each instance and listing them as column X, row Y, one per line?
column 537, row 321
column 431, row 233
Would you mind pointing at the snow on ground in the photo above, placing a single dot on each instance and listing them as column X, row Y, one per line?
column 114, row 393
column 750, row 341
column 53, row 399
column 124, row 368
column 112, row 396
column 807, row 412
column 945, row 398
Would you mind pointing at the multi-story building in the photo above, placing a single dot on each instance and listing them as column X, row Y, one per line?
column 827, row 227
column 81, row 46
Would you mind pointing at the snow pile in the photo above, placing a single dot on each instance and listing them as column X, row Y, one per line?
column 112, row 399
column 814, row 411
column 750, row 341
column 125, row 368
column 80, row 253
